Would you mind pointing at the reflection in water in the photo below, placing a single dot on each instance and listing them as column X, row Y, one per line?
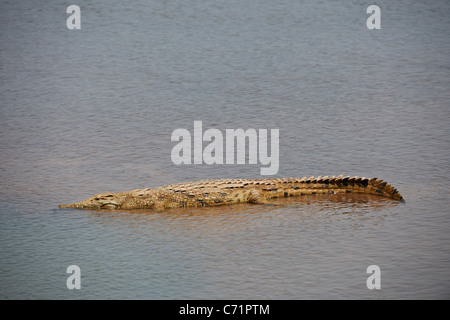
column 241, row 216
column 241, row 251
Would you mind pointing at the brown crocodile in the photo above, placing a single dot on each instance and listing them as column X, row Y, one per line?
column 218, row 192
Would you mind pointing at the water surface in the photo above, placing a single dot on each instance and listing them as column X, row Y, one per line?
column 92, row 110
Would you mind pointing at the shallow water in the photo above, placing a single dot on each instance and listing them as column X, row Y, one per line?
column 92, row 110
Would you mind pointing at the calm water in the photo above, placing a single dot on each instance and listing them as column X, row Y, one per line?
column 92, row 110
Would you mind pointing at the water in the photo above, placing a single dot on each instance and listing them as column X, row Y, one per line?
column 92, row 110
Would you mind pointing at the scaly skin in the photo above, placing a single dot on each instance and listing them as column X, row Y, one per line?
column 230, row 191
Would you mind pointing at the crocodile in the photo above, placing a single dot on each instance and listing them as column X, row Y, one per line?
column 216, row 192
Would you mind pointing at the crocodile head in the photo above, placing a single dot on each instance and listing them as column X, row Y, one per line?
column 105, row 200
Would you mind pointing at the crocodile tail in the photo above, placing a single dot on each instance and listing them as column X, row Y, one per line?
column 380, row 187
column 364, row 185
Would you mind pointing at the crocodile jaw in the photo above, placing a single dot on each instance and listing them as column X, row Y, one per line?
column 100, row 201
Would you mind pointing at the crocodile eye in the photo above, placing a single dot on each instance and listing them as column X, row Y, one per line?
column 97, row 199
column 109, row 196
